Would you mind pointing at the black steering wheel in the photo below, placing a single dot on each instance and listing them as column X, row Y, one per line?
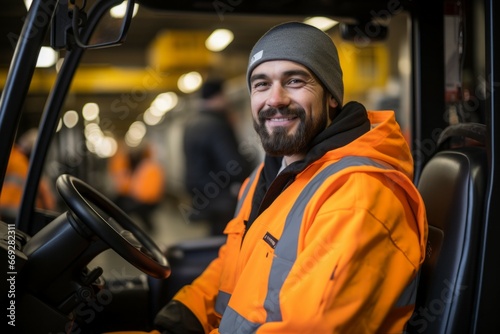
column 110, row 223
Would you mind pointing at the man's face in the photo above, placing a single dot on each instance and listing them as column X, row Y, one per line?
column 289, row 106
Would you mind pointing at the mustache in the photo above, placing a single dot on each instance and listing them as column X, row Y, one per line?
column 286, row 111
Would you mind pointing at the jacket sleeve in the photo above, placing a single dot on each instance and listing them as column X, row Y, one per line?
column 192, row 310
column 353, row 265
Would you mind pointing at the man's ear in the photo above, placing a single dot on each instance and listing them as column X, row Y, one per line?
column 332, row 102
column 332, row 107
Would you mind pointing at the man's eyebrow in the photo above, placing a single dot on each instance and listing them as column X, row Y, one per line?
column 300, row 72
column 258, row 76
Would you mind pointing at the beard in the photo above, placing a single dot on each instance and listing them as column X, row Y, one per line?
column 280, row 142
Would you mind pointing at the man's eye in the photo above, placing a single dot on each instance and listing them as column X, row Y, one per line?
column 295, row 82
column 260, row 85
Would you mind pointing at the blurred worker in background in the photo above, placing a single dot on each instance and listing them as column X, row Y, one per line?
column 215, row 168
column 15, row 179
column 139, row 181
column 13, row 186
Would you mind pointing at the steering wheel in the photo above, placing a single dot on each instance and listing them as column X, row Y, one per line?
column 113, row 226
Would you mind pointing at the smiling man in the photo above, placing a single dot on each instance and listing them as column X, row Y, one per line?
column 330, row 232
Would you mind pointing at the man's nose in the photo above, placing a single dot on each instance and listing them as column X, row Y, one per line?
column 278, row 97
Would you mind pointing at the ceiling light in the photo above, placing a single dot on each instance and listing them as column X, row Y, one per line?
column 189, row 82
column 47, row 57
column 119, row 11
column 137, row 131
column 107, row 147
column 150, row 118
column 165, row 102
column 90, row 111
column 219, row 39
column 93, row 133
column 321, row 22
column 70, row 118
column 132, row 141
column 27, row 3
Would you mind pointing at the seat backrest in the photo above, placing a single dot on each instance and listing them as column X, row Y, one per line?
column 453, row 186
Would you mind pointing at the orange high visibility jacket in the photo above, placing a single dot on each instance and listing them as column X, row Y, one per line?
column 145, row 183
column 14, row 182
column 324, row 257
column 15, row 179
column 119, row 168
column 338, row 251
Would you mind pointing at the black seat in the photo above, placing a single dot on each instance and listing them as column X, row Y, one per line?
column 453, row 185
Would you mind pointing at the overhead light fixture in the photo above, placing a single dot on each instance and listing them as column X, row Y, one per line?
column 27, row 3
column 163, row 103
column 70, row 118
column 189, row 82
column 119, row 11
column 150, row 118
column 219, row 40
column 47, row 57
column 93, row 133
column 107, row 147
column 90, row 111
column 321, row 22
column 135, row 134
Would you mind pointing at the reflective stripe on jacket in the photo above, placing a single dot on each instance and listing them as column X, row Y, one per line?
column 324, row 257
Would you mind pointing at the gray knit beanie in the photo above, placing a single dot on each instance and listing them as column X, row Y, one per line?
column 303, row 44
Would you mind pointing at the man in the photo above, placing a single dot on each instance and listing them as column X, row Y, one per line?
column 215, row 168
column 15, row 180
column 139, row 181
column 330, row 231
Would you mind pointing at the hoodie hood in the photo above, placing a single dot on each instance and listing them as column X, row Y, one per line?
column 384, row 142
column 357, row 132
